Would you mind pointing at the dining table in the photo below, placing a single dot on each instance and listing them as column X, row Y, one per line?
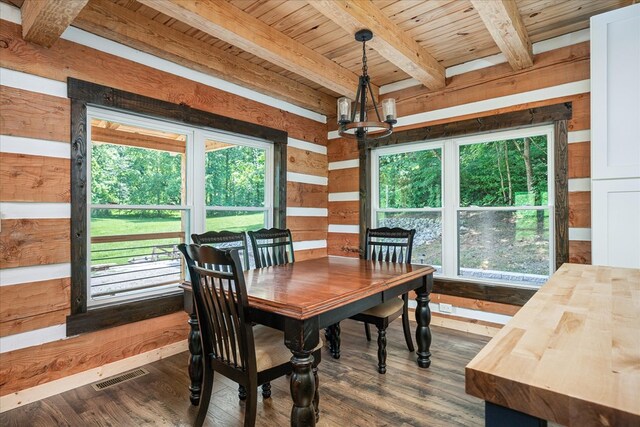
column 304, row 297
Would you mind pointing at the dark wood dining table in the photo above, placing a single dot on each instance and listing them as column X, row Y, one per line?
column 302, row 298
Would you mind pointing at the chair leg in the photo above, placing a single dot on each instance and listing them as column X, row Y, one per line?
column 242, row 392
column 316, row 396
column 382, row 349
column 367, row 331
column 407, row 326
column 266, row 390
column 251, row 406
column 205, row 396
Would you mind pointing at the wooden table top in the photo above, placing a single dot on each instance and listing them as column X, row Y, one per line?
column 572, row 354
column 307, row 288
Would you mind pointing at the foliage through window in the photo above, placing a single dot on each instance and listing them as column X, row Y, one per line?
column 481, row 205
column 152, row 184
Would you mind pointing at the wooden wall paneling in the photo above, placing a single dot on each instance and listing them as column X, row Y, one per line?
column 581, row 119
column 580, row 160
column 27, row 368
column 310, row 254
column 580, row 209
column 26, row 242
column 306, row 162
column 307, row 228
column 67, row 59
column 343, row 244
column 300, row 194
column 30, row 299
column 342, row 149
column 556, row 67
column 28, row 178
column 561, row 188
column 343, row 180
column 33, row 115
column 475, row 304
column 579, row 252
column 344, row 212
column 31, row 323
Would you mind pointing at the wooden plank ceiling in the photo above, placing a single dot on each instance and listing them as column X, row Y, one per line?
column 304, row 52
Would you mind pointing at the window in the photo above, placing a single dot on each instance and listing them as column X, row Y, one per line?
column 481, row 205
column 153, row 183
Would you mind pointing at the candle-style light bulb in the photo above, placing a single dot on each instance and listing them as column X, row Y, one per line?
column 389, row 110
column 344, row 110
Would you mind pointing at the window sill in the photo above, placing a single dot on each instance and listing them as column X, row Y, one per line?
column 485, row 291
column 108, row 317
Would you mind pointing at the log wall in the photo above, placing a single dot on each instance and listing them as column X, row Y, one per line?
column 35, row 192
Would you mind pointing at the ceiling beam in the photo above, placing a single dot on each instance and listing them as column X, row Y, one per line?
column 124, row 26
column 503, row 20
column 44, row 21
column 388, row 40
column 236, row 27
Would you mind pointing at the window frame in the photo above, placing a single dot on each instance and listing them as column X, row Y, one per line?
column 557, row 115
column 450, row 191
column 86, row 94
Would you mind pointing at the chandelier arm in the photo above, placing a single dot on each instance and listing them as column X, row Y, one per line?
column 355, row 104
column 375, row 106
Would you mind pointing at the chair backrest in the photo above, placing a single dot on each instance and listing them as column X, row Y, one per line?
column 271, row 247
column 221, row 305
column 225, row 240
column 389, row 244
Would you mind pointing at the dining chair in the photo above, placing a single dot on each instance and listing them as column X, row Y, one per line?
column 225, row 240
column 245, row 353
column 271, row 247
column 386, row 245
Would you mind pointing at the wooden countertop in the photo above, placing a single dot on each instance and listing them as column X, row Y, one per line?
column 572, row 354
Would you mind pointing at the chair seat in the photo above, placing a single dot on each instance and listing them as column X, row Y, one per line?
column 385, row 309
column 270, row 348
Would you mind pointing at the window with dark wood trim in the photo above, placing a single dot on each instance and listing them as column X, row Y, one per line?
column 84, row 95
column 556, row 115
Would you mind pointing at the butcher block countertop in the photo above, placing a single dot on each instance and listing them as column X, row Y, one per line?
column 572, row 354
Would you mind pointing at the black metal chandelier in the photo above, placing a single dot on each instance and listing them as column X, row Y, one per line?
column 353, row 120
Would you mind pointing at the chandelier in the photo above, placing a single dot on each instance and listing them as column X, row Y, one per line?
column 353, row 120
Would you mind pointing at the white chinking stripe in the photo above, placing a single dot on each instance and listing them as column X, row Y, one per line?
column 582, row 234
column 35, row 273
column 309, row 244
column 33, row 83
column 489, row 61
column 11, row 210
column 34, row 147
column 341, row 228
column 350, row 196
column 11, row 13
column 304, row 145
column 307, row 179
column 31, row 338
column 579, row 184
column 567, row 89
column 579, row 136
column 292, row 211
column 344, row 164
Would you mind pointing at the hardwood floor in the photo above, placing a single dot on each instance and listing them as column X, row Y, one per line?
column 352, row 393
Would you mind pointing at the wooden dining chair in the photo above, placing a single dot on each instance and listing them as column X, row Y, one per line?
column 247, row 354
column 271, row 247
column 225, row 240
column 387, row 245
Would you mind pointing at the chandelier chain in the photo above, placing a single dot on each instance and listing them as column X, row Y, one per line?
column 364, row 59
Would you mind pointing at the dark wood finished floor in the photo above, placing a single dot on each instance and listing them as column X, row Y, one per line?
column 352, row 392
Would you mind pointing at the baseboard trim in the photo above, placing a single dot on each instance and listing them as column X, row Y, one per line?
column 42, row 391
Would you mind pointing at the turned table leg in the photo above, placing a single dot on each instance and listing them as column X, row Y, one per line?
column 423, row 318
column 301, row 337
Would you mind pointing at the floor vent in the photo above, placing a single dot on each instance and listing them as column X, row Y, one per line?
column 110, row 382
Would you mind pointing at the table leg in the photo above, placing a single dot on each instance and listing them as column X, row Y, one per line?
column 195, row 359
column 332, row 334
column 423, row 318
column 499, row 416
column 301, row 337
